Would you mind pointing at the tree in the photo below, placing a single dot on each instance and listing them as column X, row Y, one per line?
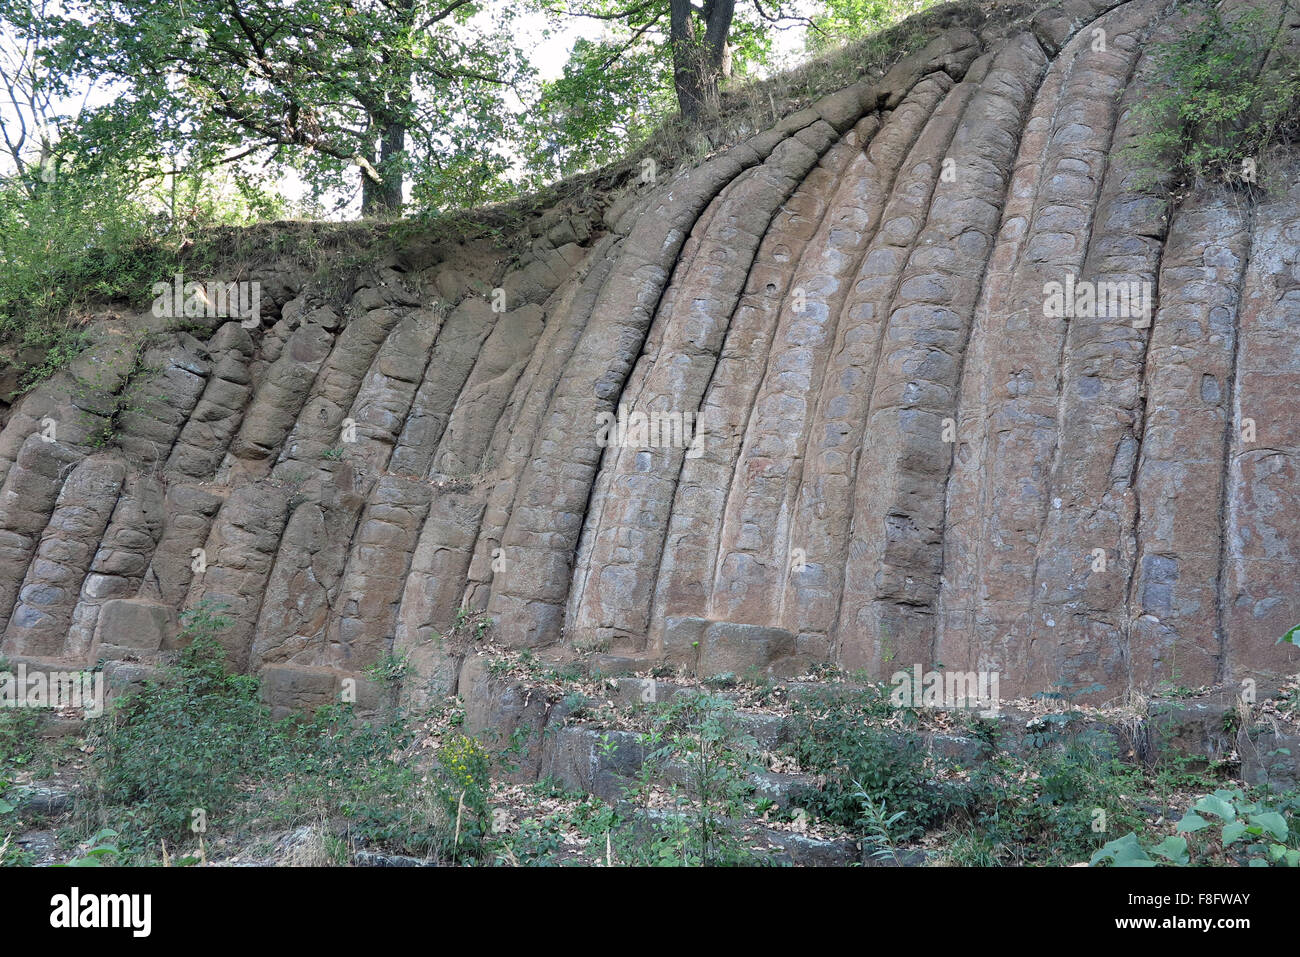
column 381, row 90
column 699, row 59
column 652, row 55
column 845, row 20
column 703, row 39
column 32, row 117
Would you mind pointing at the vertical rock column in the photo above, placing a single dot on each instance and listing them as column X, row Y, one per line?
column 1263, row 547
column 613, row 599
column 895, row 553
column 1176, row 591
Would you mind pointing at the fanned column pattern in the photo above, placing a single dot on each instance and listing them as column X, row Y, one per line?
column 807, row 402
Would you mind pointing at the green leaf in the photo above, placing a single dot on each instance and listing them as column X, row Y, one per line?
column 1293, row 636
column 1191, row 823
column 1272, row 822
column 1172, row 848
column 1233, row 831
column 1123, row 852
column 1214, row 804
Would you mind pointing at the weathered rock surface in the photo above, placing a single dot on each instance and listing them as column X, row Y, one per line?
column 801, row 403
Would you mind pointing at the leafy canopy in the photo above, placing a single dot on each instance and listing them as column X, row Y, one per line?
column 340, row 90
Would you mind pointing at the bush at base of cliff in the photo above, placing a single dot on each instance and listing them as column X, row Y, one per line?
column 170, row 759
column 839, row 741
column 197, row 754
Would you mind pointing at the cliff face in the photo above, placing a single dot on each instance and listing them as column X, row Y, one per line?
column 859, row 423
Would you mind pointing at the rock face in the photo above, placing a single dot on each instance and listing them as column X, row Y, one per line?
column 806, row 402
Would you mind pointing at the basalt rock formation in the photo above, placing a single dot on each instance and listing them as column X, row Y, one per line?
column 873, row 444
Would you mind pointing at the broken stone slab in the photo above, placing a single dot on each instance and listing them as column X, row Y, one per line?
column 800, row 850
column 957, row 749
column 131, row 627
column 376, row 859
column 36, row 801
column 301, row 689
column 43, row 845
column 504, row 713
column 610, row 666
column 590, row 761
column 733, row 648
column 681, row 640
column 1270, row 757
column 723, row 647
column 54, row 726
column 431, row 674
column 630, row 692
column 122, row 678
column 769, row 731
column 906, row 858
column 783, row 790
column 1205, row 727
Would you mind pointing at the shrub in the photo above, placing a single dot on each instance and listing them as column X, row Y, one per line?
column 18, row 740
column 200, row 737
column 185, row 743
column 1057, row 807
column 700, row 736
column 10, row 854
column 1215, row 106
column 67, row 243
column 352, row 776
column 1225, row 827
column 836, row 738
column 462, row 788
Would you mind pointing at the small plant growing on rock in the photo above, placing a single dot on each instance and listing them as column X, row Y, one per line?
column 879, row 825
column 390, row 668
column 10, row 854
column 836, row 738
column 100, row 851
column 701, row 737
column 469, row 626
column 466, row 762
column 1221, row 108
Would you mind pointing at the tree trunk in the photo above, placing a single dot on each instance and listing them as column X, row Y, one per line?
column 698, row 62
column 384, row 199
column 687, row 78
